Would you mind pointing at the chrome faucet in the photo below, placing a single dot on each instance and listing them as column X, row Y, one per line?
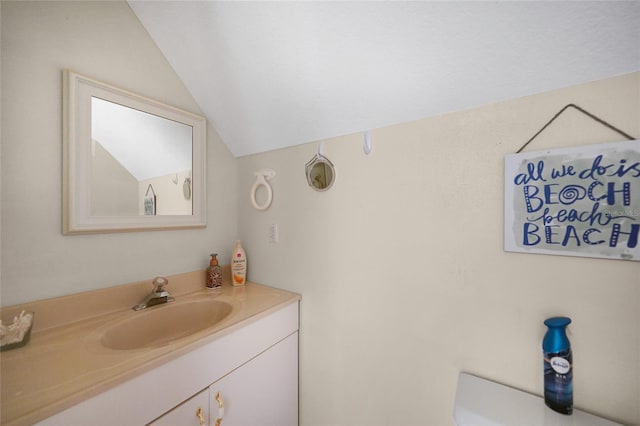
column 157, row 296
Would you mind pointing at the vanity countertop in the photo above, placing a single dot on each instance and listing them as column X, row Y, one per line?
column 64, row 363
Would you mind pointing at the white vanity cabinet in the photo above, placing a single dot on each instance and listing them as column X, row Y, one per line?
column 263, row 392
column 253, row 364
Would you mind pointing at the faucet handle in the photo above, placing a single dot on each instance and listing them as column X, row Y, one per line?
column 159, row 283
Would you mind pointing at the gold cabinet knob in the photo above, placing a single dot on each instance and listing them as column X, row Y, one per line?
column 200, row 416
column 220, row 409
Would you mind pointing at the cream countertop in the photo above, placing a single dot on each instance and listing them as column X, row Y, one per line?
column 64, row 363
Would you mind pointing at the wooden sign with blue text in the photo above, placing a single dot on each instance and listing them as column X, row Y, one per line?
column 580, row 201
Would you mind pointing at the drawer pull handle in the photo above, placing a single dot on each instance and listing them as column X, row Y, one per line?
column 220, row 409
column 200, row 416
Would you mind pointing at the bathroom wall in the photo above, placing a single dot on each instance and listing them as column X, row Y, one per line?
column 403, row 274
column 169, row 190
column 106, row 41
column 400, row 264
column 114, row 189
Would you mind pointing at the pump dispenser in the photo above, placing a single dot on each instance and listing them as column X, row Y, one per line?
column 558, row 366
column 214, row 272
column 238, row 265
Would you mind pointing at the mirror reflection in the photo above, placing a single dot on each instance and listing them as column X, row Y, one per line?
column 130, row 163
column 140, row 162
column 320, row 173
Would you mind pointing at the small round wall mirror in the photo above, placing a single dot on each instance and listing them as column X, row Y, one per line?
column 320, row 173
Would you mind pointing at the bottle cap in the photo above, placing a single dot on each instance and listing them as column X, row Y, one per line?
column 557, row 322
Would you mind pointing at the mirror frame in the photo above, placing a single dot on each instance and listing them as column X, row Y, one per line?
column 319, row 159
column 76, row 158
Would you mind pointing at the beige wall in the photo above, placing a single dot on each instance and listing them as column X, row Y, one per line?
column 404, row 278
column 169, row 194
column 106, row 41
column 114, row 190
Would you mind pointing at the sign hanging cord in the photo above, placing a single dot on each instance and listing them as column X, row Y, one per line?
column 598, row 119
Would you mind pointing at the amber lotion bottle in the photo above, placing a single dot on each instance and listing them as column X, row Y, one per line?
column 238, row 265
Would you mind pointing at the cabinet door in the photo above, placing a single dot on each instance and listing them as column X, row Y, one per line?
column 193, row 412
column 262, row 392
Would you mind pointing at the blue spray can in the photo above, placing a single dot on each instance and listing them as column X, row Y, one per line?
column 558, row 366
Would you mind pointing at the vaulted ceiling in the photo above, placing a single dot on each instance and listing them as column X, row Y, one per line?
column 270, row 75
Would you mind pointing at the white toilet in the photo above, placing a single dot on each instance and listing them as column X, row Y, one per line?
column 480, row 402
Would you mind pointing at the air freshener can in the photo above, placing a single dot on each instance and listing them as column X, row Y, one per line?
column 558, row 366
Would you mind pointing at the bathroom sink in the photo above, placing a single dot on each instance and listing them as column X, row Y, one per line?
column 163, row 324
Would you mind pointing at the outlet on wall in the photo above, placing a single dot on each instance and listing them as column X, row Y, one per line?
column 273, row 233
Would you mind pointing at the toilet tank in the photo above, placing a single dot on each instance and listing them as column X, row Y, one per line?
column 481, row 402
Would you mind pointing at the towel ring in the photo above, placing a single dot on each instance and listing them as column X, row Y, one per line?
column 262, row 176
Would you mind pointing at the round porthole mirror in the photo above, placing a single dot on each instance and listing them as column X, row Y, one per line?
column 320, row 173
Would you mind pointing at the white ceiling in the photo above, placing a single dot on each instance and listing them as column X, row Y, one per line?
column 269, row 75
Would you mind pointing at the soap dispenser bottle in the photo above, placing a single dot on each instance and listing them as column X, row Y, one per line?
column 214, row 272
column 558, row 366
column 238, row 265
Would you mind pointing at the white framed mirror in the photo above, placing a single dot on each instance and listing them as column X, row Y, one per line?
column 130, row 163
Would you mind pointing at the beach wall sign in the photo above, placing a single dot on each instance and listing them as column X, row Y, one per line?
column 580, row 201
